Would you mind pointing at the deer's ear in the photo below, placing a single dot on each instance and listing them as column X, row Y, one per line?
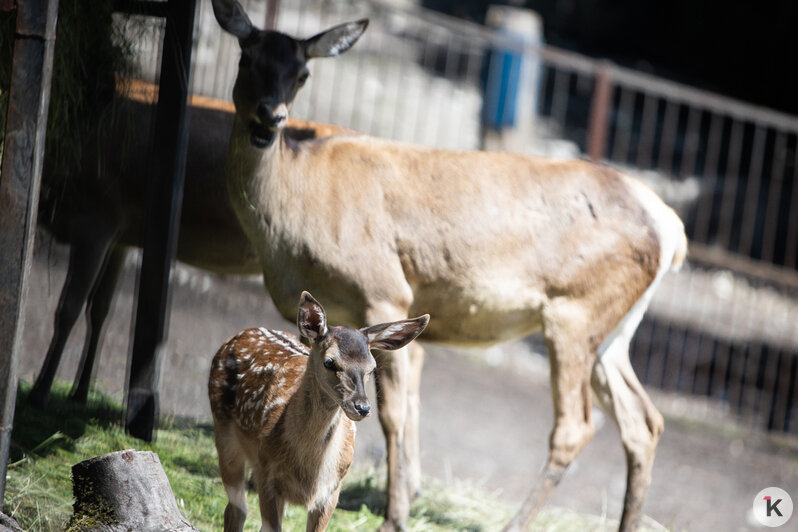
column 390, row 336
column 232, row 18
column 334, row 41
column 311, row 319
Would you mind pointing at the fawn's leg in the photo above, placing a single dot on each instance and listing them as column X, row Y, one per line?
column 318, row 518
column 231, row 467
column 272, row 506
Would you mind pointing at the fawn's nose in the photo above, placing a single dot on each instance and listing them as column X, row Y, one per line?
column 363, row 410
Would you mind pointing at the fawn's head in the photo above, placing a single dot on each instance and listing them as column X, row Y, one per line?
column 273, row 67
column 340, row 356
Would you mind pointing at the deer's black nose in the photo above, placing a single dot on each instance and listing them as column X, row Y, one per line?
column 269, row 116
column 363, row 410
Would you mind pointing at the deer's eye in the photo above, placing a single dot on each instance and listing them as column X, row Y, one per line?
column 303, row 77
column 329, row 364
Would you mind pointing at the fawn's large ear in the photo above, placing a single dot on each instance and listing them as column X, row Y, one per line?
column 334, row 41
column 232, row 18
column 311, row 319
column 389, row 336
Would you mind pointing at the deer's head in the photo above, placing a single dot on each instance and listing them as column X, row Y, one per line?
column 340, row 356
column 273, row 67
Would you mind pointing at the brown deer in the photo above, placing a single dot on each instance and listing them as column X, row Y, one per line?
column 103, row 211
column 493, row 245
column 290, row 411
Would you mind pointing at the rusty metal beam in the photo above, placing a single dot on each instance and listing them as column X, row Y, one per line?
column 20, row 178
column 597, row 128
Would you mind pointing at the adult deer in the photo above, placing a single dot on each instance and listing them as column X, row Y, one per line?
column 492, row 245
column 290, row 411
column 102, row 211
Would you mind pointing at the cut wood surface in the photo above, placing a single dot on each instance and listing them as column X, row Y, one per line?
column 124, row 490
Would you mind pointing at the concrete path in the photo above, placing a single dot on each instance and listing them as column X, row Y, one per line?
column 486, row 414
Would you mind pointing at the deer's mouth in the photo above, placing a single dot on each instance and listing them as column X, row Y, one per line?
column 261, row 135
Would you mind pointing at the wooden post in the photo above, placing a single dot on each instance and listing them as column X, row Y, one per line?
column 20, row 178
column 597, row 129
column 164, row 199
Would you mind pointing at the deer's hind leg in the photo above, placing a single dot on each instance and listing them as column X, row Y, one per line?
column 91, row 236
column 231, row 467
column 571, row 355
column 272, row 505
column 97, row 308
column 639, row 422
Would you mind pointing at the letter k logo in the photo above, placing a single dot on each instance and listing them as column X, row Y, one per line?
column 772, row 506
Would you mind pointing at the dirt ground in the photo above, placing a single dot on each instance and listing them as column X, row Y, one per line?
column 486, row 414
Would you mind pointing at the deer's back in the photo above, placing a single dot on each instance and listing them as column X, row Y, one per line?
column 481, row 240
column 252, row 377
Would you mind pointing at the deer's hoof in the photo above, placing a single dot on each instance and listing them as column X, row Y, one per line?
column 38, row 398
column 391, row 526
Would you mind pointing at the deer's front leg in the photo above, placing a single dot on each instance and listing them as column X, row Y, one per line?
column 412, row 450
column 318, row 518
column 391, row 383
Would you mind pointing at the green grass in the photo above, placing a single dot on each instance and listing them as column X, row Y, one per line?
column 45, row 445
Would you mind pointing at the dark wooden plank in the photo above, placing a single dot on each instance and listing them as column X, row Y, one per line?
column 23, row 152
column 165, row 196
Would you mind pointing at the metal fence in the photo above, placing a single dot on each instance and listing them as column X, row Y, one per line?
column 724, row 327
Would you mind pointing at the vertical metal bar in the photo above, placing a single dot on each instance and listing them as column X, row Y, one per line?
column 20, row 180
column 370, row 123
column 450, row 124
column 272, row 10
column 472, row 68
column 791, row 386
column 730, row 185
column 559, row 98
column 165, row 195
column 777, row 181
column 703, row 217
column 623, row 131
column 424, row 113
column 691, row 141
column 668, row 139
column 752, row 192
column 597, row 128
column 647, row 131
column 791, row 250
column 779, row 402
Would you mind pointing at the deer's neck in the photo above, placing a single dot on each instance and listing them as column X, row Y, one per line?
column 249, row 168
column 312, row 415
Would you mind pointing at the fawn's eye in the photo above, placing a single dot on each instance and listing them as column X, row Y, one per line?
column 329, row 364
column 303, row 77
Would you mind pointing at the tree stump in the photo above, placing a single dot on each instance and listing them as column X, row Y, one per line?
column 7, row 524
column 123, row 491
